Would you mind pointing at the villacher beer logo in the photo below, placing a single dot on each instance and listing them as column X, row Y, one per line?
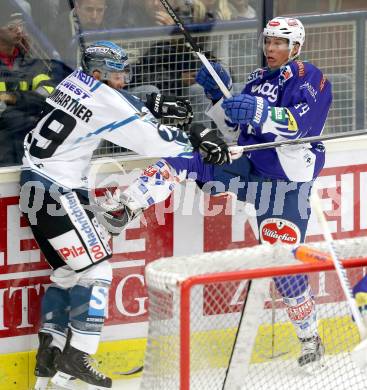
column 273, row 230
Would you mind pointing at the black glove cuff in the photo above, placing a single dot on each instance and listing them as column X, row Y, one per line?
column 154, row 104
column 195, row 134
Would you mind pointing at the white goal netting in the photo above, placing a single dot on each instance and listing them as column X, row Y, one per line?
column 190, row 343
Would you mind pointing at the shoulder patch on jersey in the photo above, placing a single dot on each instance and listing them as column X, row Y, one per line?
column 301, row 68
column 256, row 74
column 285, row 74
column 322, row 83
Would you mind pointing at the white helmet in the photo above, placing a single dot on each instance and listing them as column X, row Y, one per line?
column 289, row 28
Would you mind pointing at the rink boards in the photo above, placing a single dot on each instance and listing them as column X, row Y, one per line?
column 24, row 275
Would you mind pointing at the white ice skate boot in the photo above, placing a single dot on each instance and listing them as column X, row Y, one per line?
column 311, row 359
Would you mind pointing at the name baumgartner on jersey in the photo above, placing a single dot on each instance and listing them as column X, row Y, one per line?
column 82, row 112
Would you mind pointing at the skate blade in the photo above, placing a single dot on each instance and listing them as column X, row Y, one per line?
column 63, row 380
column 94, row 387
column 133, row 371
column 313, row 368
column 41, row 383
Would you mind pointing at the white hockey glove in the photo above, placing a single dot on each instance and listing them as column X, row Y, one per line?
column 116, row 212
column 176, row 110
column 112, row 201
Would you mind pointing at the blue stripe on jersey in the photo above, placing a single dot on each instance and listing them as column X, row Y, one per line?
column 133, row 101
column 95, row 87
column 185, row 155
column 85, row 332
column 110, row 127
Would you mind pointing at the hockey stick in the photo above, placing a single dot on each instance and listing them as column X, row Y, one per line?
column 77, row 21
column 268, row 145
column 359, row 353
column 196, row 48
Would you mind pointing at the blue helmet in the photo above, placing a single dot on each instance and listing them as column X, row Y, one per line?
column 106, row 57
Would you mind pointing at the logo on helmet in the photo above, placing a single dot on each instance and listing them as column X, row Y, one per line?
column 292, row 22
column 98, row 49
column 274, row 23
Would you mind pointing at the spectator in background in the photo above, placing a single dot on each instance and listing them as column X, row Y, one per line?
column 87, row 15
column 25, row 6
column 170, row 65
column 24, row 84
column 167, row 64
column 195, row 11
column 146, row 13
column 210, row 10
column 115, row 16
column 241, row 9
column 45, row 14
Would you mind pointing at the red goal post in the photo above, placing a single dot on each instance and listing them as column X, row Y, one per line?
column 176, row 356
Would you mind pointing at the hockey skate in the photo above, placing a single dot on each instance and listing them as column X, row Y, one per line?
column 311, row 359
column 45, row 361
column 74, row 363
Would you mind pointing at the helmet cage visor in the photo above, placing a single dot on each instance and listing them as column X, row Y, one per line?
column 114, row 66
column 106, row 67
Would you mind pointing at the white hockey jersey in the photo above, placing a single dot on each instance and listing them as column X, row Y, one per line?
column 83, row 111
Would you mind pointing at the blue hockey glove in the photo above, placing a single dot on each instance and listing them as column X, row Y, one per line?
column 211, row 88
column 245, row 109
column 360, row 295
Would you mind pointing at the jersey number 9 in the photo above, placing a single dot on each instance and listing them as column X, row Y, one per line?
column 53, row 132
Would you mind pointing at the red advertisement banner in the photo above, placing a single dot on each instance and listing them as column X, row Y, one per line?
column 24, row 272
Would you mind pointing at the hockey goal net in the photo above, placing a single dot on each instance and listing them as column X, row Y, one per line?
column 195, row 306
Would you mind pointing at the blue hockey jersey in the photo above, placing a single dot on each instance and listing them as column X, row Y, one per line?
column 299, row 97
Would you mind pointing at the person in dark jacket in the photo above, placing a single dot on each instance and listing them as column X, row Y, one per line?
column 25, row 82
column 86, row 16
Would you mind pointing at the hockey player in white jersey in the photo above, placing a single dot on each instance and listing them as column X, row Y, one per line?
column 81, row 112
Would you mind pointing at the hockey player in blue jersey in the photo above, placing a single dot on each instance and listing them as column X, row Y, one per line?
column 288, row 99
column 360, row 295
column 84, row 109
